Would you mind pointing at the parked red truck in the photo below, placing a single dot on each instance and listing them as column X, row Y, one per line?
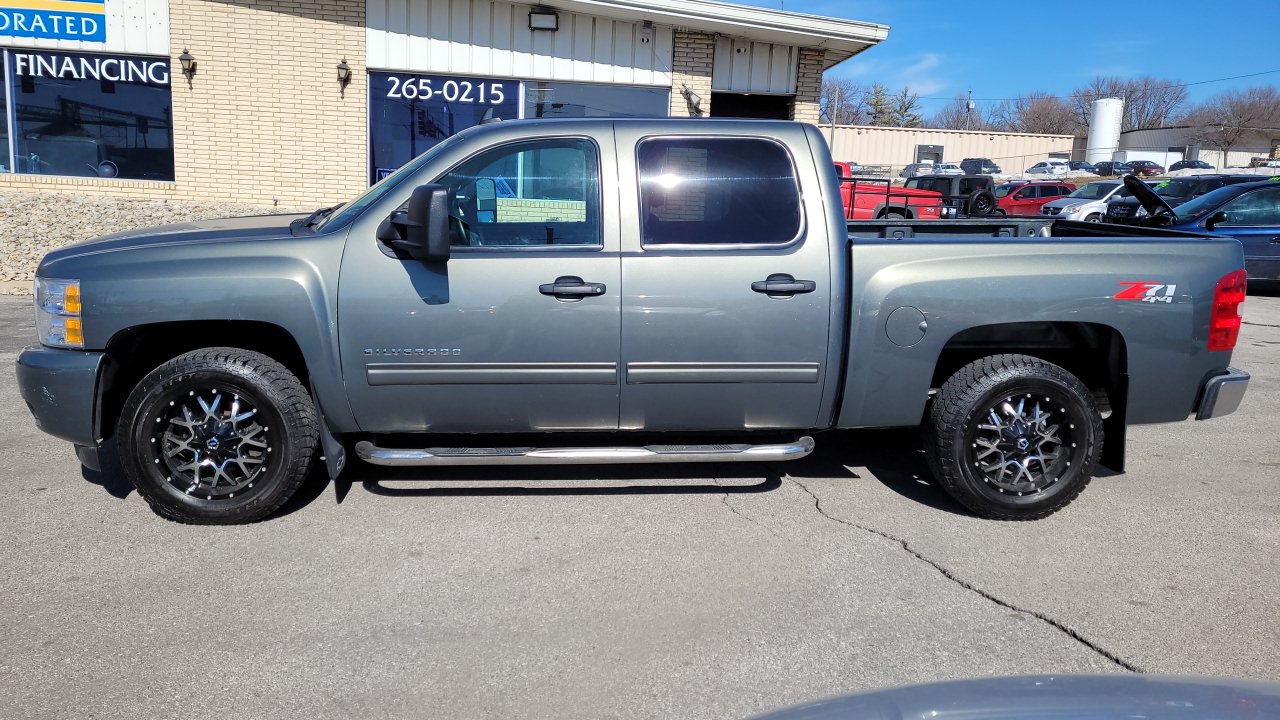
column 873, row 199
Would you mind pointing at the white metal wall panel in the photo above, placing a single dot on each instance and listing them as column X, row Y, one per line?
column 896, row 147
column 133, row 26
column 756, row 67
column 492, row 38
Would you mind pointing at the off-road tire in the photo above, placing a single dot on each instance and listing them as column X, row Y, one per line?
column 957, row 445
column 892, row 216
column 273, row 462
column 981, row 203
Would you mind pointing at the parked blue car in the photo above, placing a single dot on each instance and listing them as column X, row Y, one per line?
column 1248, row 212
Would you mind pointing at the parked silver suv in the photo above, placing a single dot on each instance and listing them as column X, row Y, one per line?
column 1088, row 203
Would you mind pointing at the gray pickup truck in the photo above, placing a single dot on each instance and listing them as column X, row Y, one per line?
column 622, row 291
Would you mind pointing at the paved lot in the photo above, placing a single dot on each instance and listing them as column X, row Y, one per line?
column 640, row 593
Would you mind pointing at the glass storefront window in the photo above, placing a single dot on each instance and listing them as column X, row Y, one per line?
column 564, row 100
column 410, row 113
column 6, row 163
column 91, row 115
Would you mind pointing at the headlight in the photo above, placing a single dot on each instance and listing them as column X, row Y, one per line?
column 1071, row 210
column 58, row 313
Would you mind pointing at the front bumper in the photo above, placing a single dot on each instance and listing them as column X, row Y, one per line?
column 1222, row 394
column 61, row 388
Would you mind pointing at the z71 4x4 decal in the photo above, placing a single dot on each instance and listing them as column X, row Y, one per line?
column 1152, row 292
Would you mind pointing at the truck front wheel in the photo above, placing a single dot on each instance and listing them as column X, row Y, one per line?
column 218, row 436
column 1012, row 437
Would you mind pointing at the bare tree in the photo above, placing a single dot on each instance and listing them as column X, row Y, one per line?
column 1226, row 120
column 956, row 115
column 1038, row 113
column 843, row 102
column 1148, row 102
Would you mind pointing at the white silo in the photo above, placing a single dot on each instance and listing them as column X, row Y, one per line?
column 1105, row 118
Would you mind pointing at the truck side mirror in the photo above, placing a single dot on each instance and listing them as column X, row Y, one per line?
column 422, row 229
column 486, row 198
column 1214, row 219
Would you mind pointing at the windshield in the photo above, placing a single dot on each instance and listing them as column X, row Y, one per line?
column 1094, row 191
column 1002, row 190
column 1193, row 209
column 353, row 209
column 1176, row 188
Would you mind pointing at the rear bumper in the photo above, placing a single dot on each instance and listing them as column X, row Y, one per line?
column 60, row 388
column 1222, row 394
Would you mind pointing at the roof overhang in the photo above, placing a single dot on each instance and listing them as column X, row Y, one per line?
column 841, row 39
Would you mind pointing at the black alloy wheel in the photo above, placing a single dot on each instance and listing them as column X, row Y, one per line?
column 216, row 436
column 1013, row 437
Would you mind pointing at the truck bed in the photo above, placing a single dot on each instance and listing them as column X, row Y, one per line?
column 1003, row 227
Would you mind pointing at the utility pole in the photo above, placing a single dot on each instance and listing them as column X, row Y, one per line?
column 968, row 108
column 833, row 107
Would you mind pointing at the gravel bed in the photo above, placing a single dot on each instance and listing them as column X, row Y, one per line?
column 32, row 224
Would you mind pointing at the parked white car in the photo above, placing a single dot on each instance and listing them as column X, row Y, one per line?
column 1050, row 167
column 947, row 169
column 1088, row 203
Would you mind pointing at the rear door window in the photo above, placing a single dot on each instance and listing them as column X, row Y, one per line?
column 717, row 191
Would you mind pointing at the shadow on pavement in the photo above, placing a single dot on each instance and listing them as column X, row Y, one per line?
column 894, row 458
column 1265, row 288
column 111, row 477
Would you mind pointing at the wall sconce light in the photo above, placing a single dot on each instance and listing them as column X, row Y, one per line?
column 646, row 32
column 543, row 19
column 692, row 99
column 343, row 74
column 188, row 65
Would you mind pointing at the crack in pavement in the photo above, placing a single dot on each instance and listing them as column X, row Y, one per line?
column 724, row 500
column 1246, row 322
column 1056, row 624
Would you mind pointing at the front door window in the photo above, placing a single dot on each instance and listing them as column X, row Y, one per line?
column 532, row 194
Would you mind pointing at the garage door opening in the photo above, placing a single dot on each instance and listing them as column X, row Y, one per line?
column 751, row 105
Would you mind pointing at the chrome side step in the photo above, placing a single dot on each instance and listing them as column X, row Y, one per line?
column 395, row 457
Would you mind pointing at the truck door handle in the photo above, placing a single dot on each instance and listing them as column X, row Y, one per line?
column 571, row 287
column 783, row 285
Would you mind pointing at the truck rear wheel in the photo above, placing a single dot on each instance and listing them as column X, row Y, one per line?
column 218, row 436
column 1012, row 437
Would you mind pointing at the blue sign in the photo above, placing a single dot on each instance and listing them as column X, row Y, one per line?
column 54, row 19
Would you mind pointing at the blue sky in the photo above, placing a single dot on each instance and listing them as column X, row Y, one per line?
column 1000, row 49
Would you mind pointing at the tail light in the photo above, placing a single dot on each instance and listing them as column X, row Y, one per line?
column 1224, row 325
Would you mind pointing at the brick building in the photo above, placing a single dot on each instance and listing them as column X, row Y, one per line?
column 294, row 102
